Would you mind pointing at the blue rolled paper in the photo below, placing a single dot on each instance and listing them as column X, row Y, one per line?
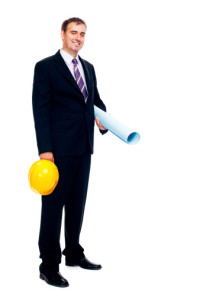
column 116, row 127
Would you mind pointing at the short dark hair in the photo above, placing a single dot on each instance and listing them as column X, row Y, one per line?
column 68, row 21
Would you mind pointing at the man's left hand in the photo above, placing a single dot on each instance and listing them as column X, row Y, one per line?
column 100, row 126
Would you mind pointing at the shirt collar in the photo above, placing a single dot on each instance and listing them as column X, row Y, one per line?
column 67, row 57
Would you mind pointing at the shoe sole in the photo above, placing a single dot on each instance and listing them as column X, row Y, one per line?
column 73, row 265
column 46, row 280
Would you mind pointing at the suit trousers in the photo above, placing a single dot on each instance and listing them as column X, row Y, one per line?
column 69, row 194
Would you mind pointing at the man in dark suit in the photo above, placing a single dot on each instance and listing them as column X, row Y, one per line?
column 64, row 95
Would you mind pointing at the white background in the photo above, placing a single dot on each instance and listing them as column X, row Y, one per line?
column 142, row 216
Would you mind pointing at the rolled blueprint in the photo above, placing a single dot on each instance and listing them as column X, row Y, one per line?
column 116, row 127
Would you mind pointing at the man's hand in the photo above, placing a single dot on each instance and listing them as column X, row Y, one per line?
column 99, row 124
column 47, row 155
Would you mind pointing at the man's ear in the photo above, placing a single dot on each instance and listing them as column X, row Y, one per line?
column 62, row 34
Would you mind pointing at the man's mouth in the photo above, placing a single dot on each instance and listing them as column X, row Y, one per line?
column 76, row 43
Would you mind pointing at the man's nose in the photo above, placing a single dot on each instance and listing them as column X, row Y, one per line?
column 78, row 37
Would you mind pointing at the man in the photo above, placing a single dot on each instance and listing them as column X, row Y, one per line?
column 64, row 95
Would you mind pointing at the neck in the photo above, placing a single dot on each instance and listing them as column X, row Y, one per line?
column 72, row 53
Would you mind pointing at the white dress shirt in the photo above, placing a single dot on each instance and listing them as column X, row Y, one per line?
column 68, row 60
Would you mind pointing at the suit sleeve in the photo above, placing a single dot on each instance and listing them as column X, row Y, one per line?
column 41, row 101
column 97, row 100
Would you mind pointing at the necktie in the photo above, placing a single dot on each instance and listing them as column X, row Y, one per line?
column 79, row 79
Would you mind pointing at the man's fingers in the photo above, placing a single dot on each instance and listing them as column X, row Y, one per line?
column 99, row 124
column 97, row 121
column 47, row 156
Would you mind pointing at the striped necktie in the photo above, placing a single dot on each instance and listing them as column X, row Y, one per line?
column 79, row 80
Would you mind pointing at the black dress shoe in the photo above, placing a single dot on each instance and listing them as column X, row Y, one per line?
column 83, row 263
column 55, row 279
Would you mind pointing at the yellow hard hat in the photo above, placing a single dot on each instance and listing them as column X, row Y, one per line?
column 43, row 177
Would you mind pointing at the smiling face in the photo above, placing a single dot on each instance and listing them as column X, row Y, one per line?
column 73, row 38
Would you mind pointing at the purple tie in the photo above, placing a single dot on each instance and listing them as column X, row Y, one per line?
column 79, row 79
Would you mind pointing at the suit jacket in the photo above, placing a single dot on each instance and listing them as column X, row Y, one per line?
column 64, row 123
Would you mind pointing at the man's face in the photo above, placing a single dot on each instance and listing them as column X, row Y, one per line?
column 73, row 38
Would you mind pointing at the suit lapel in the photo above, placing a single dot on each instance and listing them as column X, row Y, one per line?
column 61, row 65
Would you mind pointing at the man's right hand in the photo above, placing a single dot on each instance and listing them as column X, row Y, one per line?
column 47, row 155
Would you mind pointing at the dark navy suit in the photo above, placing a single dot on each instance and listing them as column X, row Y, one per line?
column 64, row 125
